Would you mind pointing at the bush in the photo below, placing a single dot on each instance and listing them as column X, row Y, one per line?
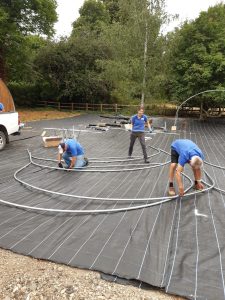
column 27, row 94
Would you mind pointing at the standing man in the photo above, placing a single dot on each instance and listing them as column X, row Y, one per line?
column 182, row 152
column 73, row 154
column 138, row 122
column 2, row 109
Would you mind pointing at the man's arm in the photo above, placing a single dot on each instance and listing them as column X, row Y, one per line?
column 59, row 158
column 198, row 176
column 131, row 126
column 131, row 123
column 149, row 125
column 179, row 179
column 73, row 162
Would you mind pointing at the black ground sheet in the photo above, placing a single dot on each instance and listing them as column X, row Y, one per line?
column 178, row 245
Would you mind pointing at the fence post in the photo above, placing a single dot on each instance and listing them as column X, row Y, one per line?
column 116, row 108
column 59, row 106
column 101, row 107
column 86, row 106
column 72, row 106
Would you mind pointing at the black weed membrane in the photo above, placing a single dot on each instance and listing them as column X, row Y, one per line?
column 115, row 217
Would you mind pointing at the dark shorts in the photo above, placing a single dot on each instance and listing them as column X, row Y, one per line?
column 174, row 156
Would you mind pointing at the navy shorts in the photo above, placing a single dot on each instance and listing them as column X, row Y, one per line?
column 174, row 156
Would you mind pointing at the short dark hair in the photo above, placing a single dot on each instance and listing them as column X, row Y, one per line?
column 63, row 145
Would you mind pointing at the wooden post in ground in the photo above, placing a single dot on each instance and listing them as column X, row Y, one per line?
column 59, row 107
column 86, row 106
column 101, row 107
column 116, row 108
column 72, row 106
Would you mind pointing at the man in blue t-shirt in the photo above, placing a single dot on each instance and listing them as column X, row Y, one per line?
column 1, row 107
column 138, row 122
column 73, row 154
column 182, row 152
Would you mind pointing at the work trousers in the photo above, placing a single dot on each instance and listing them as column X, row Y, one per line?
column 80, row 162
column 141, row 137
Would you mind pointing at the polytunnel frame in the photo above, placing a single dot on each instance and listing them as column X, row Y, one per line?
column 159, row 200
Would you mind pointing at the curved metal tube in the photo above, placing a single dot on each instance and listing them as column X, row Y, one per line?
column 113, row 199
column 115, row 159
column 179, row 107
column 102, row 210
column 98, row 170
column 213, row 165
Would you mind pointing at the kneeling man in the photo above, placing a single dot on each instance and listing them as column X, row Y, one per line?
column 185, row 151
column 73, row 154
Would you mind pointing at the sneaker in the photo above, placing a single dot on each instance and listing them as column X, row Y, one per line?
column 147, row 161
column 130, row 157
column 171, row 192
column 86, row 160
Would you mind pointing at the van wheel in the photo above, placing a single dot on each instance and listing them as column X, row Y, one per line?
column 2, row 140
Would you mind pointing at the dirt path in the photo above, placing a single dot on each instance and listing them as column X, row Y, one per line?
column 27, row 115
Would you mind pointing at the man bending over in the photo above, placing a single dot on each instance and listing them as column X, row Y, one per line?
column 73, row 154
column 182, row 152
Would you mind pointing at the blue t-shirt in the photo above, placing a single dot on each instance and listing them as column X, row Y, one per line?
column 138, row 123
column 1, row 107
column 74, row 148
column 186, row 150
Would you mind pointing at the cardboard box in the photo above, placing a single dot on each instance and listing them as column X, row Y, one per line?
column 52, row 141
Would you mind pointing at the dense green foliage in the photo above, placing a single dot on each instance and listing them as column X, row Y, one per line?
column 70, row 69
column 115, row 53
column 197, row 56
column 18, row 19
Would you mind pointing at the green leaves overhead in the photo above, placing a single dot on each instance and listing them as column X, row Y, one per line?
column 31, row 16
column 197, row 55
column 19, row 18
column 93, row 16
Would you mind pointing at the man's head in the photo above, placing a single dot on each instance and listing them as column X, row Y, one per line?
column 62, row 148
column 196, row 162
column 140, row 112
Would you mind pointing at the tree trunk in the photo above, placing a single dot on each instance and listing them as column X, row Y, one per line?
column 201, row 111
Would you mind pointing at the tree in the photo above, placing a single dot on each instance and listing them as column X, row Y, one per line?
column 197, row 56
column 135, row 42
column 113, row 8
column 93, row 16
column 19, row 18
column 70, row 70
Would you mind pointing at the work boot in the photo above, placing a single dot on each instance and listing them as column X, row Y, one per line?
column 171, row 192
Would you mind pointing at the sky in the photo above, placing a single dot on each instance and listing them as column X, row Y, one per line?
column 68, row 12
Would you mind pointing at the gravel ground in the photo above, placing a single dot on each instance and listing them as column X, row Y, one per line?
column 25, row 278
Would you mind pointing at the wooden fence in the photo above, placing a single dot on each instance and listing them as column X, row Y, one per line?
column 159, row 109
column 151, row 109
